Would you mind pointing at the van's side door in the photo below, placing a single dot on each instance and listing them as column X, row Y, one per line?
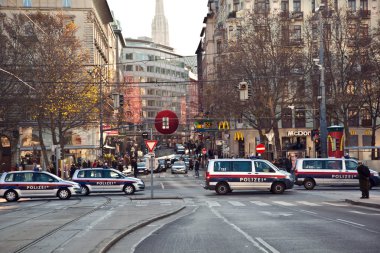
column 351, row 172
column 335, row 172
column 264, row 174
column 241, row 175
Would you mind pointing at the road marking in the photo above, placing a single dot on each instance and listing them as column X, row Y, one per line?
column 283, row 203
column 212, row 203
column 165, row 203
column 267, row 245
column 249, row 238
column 305, row 211
column 334, row 204
column 236, row 203
column 259, row 203
column 357, row 212
column 350, row 222
column 307, row 203
column 162, row 186
column 274, row 214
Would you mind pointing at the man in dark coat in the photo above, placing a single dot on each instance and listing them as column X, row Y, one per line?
column 363, row 174
column 134, row 166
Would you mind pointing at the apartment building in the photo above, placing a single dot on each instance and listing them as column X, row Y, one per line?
column 156, row 79
column 94, row 20
column 224, row 22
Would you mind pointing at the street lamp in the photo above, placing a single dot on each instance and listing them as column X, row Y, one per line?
column 322, row 111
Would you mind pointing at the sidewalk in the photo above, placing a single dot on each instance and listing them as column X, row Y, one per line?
column 371, row 202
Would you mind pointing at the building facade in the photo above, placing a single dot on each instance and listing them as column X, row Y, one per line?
column 223, row 23
column 93, row 19
column 156, row 79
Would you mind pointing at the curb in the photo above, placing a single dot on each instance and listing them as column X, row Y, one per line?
column 138, row 226
column 360, row 203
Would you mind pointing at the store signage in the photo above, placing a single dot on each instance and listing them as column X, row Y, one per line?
column 299, row 133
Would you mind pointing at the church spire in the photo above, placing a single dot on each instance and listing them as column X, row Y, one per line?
column 160, row 29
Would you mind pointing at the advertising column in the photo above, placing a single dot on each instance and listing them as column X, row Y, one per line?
column 335, row 141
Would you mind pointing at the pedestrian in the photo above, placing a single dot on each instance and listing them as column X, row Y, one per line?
column 134, row 166
column 73, row 168
column 196, row 167
column 363, row 174
column 288, row 163
column 35, row 167
column 191, row 164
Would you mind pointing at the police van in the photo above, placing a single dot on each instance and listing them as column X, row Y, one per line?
column 310, row 172
column 19, row 184
column 106, row 180
column 226, row 175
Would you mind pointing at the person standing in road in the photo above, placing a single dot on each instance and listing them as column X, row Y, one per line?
column 364, row 174
column 134, row 166
column 196, row 167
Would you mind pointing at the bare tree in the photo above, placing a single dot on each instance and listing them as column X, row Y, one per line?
column 268, row 57
column 54, row 64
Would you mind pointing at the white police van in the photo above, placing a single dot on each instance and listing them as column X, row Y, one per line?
column 310, row 172
column 226, row 175
column 106, row 180
column 19, row 184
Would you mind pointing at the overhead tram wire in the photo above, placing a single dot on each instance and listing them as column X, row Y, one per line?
column 165, row 83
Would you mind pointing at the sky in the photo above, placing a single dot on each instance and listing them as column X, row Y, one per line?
column 185, row 20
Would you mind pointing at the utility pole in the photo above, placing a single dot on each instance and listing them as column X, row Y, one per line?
column 322, row 113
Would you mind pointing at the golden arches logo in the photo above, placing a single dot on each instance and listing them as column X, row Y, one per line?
column 224, row 125
column 239, row 136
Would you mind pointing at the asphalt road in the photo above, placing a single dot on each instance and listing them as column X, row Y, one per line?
column 297, row 221
column 248, row 221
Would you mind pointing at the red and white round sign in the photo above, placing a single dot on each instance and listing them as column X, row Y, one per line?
column 260, row 148
column 166, row 122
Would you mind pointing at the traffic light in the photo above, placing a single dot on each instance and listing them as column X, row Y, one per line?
column 121, row 100
column 317, row 144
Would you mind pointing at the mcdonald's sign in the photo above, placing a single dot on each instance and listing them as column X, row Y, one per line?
column 239, row 136
column 224, row 125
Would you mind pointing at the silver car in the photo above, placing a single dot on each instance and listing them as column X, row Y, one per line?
column 19, row 184
column 179, row 167
column 106, row 180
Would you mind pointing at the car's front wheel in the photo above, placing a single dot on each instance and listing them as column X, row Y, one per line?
column 129, row 189
column 64, row 193
column 11, row 196
column 278, row 188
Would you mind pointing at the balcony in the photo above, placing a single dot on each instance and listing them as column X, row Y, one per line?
column 232, row 14
column 284, row 15
column 296, row 15
column 365, row 14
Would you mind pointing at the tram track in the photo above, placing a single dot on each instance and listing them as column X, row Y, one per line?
column 27, row 246
column 34, row 217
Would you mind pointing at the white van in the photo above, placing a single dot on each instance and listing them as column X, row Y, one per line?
column 310, row 172
column 226, row 175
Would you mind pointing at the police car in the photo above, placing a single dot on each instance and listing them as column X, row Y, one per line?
column 310, row 172
column 19, row 184
column 226, row 175
column 106, row 180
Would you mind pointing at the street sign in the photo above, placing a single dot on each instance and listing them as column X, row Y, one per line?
column 151, row 144
column 145, row 135
column 260, row 148
column 204, row 151
column 166, row 122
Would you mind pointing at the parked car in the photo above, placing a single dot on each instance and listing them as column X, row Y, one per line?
column 141, row 168
column 19, row 184
column 106, row 180
column 161, row 165
column 179, row 167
